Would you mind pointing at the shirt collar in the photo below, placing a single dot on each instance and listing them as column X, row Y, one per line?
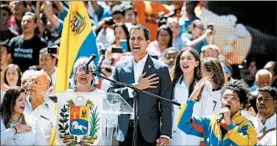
column 29, row 105
column 270, row 122
column 142, row 61
column 180, row 80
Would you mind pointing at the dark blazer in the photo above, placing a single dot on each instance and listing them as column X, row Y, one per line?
column 155, row 116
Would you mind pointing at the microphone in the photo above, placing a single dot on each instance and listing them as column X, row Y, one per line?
column 101, row 59
column 92, row 57
column 221, row 115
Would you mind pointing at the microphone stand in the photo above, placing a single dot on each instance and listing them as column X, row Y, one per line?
column 136, row 91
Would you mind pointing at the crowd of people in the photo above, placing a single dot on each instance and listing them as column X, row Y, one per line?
column 164, row 49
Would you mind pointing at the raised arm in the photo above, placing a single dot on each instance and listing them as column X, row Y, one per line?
column 194, row 126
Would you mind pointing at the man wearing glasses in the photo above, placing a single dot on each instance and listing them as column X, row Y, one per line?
column 233, row 129
column 265, row 122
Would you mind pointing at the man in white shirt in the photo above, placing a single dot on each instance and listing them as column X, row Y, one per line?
column 39, row 106
column 48, row 60
column 265, row 122
column 146, row 73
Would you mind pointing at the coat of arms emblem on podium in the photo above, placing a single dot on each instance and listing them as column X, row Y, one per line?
column 79, row 121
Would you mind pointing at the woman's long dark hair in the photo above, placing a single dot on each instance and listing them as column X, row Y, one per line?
column 125, row 29
column 214, row 66
column 166, row 28
column 18, row 83
column 8, row 104
column 178, row 71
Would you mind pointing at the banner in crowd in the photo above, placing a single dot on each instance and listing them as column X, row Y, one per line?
column 77, row 40
column 79, row 118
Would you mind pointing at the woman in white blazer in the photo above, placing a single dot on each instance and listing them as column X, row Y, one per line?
column 186, row 74
column 17, row 128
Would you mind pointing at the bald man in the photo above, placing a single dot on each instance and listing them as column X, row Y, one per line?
column 263, row 78
column 39, row 105
column 271, row 66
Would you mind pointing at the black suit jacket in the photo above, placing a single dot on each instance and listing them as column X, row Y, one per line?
column 155, row 116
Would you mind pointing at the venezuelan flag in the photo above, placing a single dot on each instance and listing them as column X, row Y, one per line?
column 77, row 40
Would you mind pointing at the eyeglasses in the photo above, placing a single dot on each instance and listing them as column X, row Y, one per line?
column 231, row 98
column 83, row 69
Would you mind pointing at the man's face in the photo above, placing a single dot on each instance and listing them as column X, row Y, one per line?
column 210, row 53
column 270, row 68
column 39, row 84
column 138, row 43
column 197, row 31
column 17, row 8
column 263, row 81
column 265, row 104
column 46, row 62
column 130, row 16
column 118, row 18
column 170, row 57
column 28, row 24
column 231, row 98
column 5, row 57
column 4, row 18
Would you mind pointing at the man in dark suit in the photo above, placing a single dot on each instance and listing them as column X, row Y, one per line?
column 146, row 73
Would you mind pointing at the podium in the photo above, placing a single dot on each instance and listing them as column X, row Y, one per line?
column 88, row 118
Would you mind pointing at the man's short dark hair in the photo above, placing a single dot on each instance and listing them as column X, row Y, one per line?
column 240, row 87
column 32, row 15
column 144, row 29
column 271, row 90
column 129, row 7
column 6, row 8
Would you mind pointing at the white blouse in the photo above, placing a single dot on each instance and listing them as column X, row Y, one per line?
column 34, row 137
column 202, row 108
